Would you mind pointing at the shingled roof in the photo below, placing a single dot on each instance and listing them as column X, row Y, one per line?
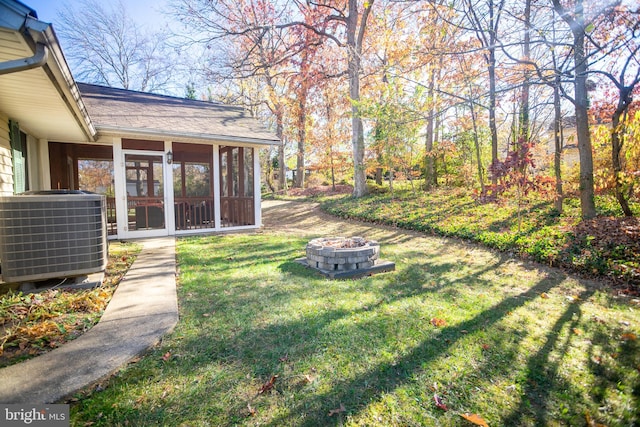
column 124, row 111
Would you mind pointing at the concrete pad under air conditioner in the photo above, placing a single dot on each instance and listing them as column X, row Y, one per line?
column 88, row 281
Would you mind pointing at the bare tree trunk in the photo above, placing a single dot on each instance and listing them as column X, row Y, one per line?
column 581, row 102
column 587, row 196
column 282, row 169
column 429, row 174
column 268, row 170
column 333, row 172
column 559, row 143
column 617, row 141
column 476, row 141
column 524, row 98
column 355, row 35
column 302, row 118
column 493, row 24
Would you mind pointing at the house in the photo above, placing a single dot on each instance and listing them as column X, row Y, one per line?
column 168, row 166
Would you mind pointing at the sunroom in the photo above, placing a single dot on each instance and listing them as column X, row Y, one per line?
column 166, row 165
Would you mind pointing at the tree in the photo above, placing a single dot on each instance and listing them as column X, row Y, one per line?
column 485, row 20
column 395, row 127
column 624, row 74
column 356, row 25
column 578, row 25
column 244, row 50
column 104, row 46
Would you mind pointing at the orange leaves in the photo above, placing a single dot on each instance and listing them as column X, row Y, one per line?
column 475, row 419
column 629, row 336
column 438, row 323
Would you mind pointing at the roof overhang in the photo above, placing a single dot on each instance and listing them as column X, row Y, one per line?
column 42, row 97
column 115, row 131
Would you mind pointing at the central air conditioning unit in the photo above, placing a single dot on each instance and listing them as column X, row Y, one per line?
column 52, row 234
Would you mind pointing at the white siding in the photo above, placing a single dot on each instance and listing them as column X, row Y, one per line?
column 6, row 167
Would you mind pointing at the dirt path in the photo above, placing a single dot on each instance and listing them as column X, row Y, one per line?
column 306, row 219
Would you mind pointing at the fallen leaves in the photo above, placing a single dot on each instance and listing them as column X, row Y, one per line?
column 439, row 403
column 32, row 324
column 475, row 419
column 268, row 386
column 590, row 421
column 251, row 410
column 337, row 411
column 629, row 336
column 438, row 322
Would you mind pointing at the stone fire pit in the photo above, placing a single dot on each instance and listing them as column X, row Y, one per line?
column 342, row 257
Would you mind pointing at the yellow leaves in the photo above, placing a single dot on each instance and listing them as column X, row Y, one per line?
column 590, row 422
column 39, row 330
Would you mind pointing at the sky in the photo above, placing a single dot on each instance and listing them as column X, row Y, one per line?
column 145, row 12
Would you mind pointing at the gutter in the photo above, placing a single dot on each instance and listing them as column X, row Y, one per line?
column 48, row 56
column 35, row 61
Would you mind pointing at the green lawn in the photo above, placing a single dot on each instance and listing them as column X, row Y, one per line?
column 484, row 333
column 606, row 247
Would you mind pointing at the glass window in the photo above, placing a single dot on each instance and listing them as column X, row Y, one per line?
column 96, row 176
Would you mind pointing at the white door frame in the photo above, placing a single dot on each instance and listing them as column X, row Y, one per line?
column 120, row 182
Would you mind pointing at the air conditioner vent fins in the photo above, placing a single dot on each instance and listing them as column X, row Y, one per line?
column 53, row 235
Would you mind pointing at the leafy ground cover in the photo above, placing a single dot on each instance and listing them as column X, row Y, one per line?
column 607, row 247
column 456, row 331
column 32, row 324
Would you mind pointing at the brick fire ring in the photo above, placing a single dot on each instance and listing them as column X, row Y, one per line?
column 342, row 257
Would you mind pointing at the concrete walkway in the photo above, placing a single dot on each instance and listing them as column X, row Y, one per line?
column 142, row 310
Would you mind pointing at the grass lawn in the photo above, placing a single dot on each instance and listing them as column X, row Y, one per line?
column 454, row 330
column 607, row 247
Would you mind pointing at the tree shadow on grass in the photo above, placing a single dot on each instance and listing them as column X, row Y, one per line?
column 386, row 377
column 543, row 377
column 262, row 345
column 301, row 338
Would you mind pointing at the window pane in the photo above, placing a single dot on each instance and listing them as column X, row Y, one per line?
column 248, row 172
column 96, row 176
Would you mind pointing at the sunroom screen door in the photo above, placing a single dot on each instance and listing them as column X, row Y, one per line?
column 145, row 192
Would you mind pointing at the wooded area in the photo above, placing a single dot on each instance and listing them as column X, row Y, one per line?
column 491, row 95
